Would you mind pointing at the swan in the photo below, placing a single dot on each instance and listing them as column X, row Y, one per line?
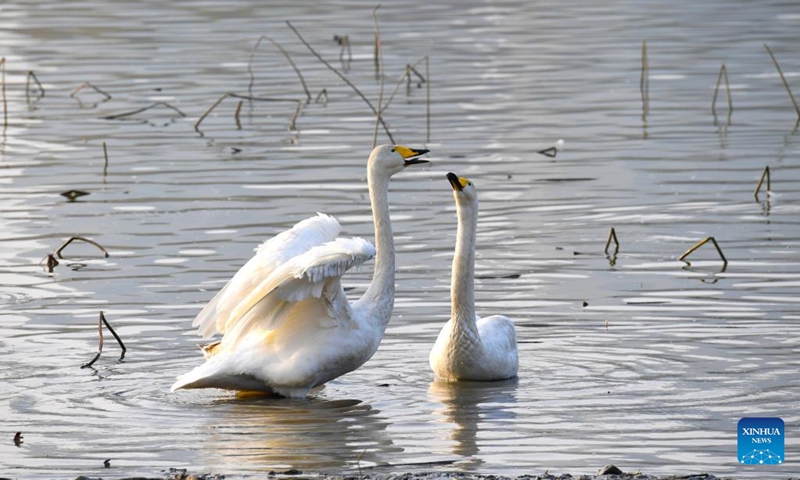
column 286, row 322
column 470, row 347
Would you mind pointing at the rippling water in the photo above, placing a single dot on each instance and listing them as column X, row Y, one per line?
column 635, row 359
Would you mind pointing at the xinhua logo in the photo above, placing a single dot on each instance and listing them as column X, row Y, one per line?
column 761, row 441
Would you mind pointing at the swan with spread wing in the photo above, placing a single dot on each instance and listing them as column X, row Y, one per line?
column 286, row 322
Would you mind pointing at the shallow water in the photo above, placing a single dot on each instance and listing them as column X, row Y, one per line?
column 652, row 373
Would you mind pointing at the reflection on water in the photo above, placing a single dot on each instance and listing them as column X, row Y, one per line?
column 471, row 407
column 315, row 435
column 635, row 361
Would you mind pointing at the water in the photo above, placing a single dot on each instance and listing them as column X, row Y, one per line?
column 652, row 373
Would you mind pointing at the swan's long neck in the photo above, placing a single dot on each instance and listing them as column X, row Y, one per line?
column 379, row 297
column 462, row 287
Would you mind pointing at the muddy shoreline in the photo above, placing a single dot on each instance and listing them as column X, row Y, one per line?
column 604, row 473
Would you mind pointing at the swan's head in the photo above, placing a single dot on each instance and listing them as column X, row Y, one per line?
column 394, row 158
column 463, row 190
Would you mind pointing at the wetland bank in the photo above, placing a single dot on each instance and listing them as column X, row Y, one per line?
column 632, row 358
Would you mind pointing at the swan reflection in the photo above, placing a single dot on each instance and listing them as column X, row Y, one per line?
column 473, row 407
column 314, row 434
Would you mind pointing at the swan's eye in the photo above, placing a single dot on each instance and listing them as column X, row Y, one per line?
column 469, row 183
column 393, row 150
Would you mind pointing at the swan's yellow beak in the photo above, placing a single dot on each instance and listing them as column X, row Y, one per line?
column 409, row 154
column 457, row 182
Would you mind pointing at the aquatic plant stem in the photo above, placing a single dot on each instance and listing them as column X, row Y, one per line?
column 285, row 54
column 379, row 69
column 700, row 244
column 764, row 174
column 344, row 79
column 785, row 83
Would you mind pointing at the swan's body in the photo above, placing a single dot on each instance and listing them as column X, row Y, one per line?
column 470, row 347
column 287, row 324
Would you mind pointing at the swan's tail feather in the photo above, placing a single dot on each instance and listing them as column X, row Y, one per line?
column 210, row 375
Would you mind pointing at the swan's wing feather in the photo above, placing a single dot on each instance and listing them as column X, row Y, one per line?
column 269, row 255
column 313, row 276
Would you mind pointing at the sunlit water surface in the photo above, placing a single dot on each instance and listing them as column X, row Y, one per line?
column 634, row 359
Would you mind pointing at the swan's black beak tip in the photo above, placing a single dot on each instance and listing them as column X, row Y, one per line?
column 454, row 181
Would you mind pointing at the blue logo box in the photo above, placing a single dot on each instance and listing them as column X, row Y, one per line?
column 761, row 441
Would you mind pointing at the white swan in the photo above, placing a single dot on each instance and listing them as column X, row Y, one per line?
column 287, row 324
column 470, row 347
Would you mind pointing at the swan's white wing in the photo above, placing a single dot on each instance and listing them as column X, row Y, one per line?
column 308, row 282
column 269, row 255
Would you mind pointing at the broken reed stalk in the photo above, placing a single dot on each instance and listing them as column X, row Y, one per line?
column 292, row 124
column 105, row 161
column 723, row 72
column 785, row 83
column 5, row 102
column 379, row 70
column 344, row 79
column 344, row 42
column 612, row 235
column 89, row 85
column 99, row 345
column 427, row 100
column 700, row 244
column 83, row 239
column 285, row 54
column 236, row 114
column 323, row 94
column 764, row 174
column 358, row 462
column 50, row 262
column 377, row 53
column 644, row 82
column 100, row 322
column 28, row 86
column 404, row 76
column 144, row 109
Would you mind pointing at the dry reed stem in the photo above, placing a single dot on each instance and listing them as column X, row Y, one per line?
column 403, row 76
column 83, row 239
column 322, row 94
column 377, row 54
column 99, row 345
column 292, row 124
column 50, row 262
column 700, row 244
column 28, row 86
column 344, row 79
column 723, row 72
column 549, row 152
column 785, row 83
column 5, row 102
column 764, row 174
column 89, row 85
column 612, row 235
column 144, row 109
column 427, row 100
column 236, row 114
column 100, row 322
column 358, row 462
column 379, row 71
column 344, row 42
column 285, row 54
column 119, row 340
column 644, row 82
column 105, row 161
